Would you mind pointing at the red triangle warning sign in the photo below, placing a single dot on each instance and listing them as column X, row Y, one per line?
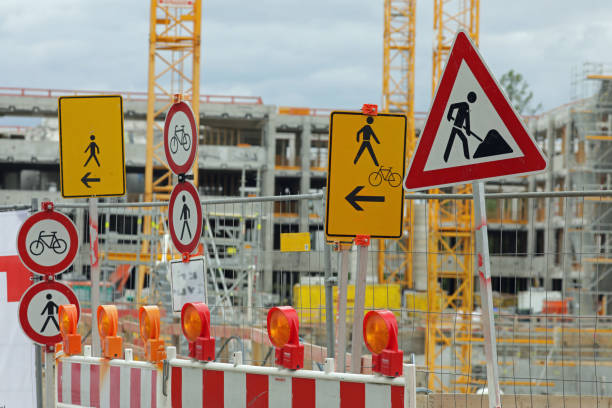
column 472, row 132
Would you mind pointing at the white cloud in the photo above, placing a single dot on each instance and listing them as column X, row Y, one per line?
column 290, row 52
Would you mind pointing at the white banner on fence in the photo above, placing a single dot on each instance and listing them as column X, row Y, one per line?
column 17, row 376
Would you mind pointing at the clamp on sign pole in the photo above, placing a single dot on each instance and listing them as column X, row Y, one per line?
column 369, row 109
column 186, row 257
column 184, row 177
column 47, row 206
column 362, row 242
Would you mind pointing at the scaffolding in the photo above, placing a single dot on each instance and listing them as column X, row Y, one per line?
column 396, row 265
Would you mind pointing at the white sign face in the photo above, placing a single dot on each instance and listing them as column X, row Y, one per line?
column 471, row 131
column 180, row 138
column 47, row 242
column 188, row 282
column 185, row 217
column 42, row 312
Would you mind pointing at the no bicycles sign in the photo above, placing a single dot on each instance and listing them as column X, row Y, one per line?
column 47, row 242
column 180, row 138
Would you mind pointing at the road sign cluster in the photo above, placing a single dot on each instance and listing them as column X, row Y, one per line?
column 47, row 244
column 184, row 209
column 471, row 133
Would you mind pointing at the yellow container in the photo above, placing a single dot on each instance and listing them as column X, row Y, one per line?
column 309, row 300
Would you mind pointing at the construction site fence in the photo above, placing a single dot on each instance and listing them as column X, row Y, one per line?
column 551, row 258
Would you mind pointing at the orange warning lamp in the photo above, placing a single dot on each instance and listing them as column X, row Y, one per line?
column 283, row 329
column 380, row 336
column 71, row 340
column 107, row 327
column 195, row 321
column 149, row 331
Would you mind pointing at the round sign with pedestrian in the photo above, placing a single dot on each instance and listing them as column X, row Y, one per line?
column 180, row 138
column 38, row 311
column 47, row 242
column 185, row 217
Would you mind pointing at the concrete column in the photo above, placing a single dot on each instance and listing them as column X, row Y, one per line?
column 305, row 139
column 267, row 188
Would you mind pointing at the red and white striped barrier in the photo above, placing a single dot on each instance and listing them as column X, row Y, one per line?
column 84, row 381
column 197, row 384
column 97, row 382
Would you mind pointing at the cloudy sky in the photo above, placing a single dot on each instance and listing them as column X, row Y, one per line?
column 315, row 53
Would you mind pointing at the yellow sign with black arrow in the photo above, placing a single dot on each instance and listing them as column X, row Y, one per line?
column 92, row 158
column 364, row 175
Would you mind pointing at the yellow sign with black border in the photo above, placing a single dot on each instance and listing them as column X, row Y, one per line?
column 92, row 154
column 367, row 156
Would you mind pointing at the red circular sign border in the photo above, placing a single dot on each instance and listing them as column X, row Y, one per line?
column 25, row 301
column 186, row 109
column 190, row 188
column 28, row 262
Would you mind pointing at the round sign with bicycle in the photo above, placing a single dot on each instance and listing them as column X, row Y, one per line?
column 180, row 138
column 47, row 242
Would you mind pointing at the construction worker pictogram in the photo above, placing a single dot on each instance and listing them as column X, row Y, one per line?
column 51, row 310
column 367, row 132
column 492, row 145
column 472, row 132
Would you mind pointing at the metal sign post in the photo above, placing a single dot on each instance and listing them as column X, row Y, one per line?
column 342, row 299
column 484, row 274
column 95, row 272
column 362, row 242
column 49, row 376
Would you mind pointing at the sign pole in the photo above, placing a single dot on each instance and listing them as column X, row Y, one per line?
column 49, row 376
column 95, row 272
column 342, row 299
column 362, row 242
column 486, row 294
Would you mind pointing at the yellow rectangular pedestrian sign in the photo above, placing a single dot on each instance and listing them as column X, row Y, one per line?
column 364, row 175
column 92, row 155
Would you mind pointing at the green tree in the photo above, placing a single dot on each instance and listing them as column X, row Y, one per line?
column 518, row 92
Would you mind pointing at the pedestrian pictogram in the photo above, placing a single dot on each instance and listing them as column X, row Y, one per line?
column 365, row 173
column 91, row 146
column 367, row 133
column 93, row 149
column 180, row 138
column 472, row 132
column 185, row 217
column 47, row 242
column 50, row 311
column 38, row 310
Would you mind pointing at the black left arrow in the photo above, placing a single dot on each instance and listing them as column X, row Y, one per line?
column 86, row 179
column 352, row 198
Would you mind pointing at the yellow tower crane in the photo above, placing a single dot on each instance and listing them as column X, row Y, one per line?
column 398, row 96
column 448, row 342
column 174, row 69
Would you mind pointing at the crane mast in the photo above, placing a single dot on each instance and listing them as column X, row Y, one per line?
column 448, row 342
column 174, row 69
